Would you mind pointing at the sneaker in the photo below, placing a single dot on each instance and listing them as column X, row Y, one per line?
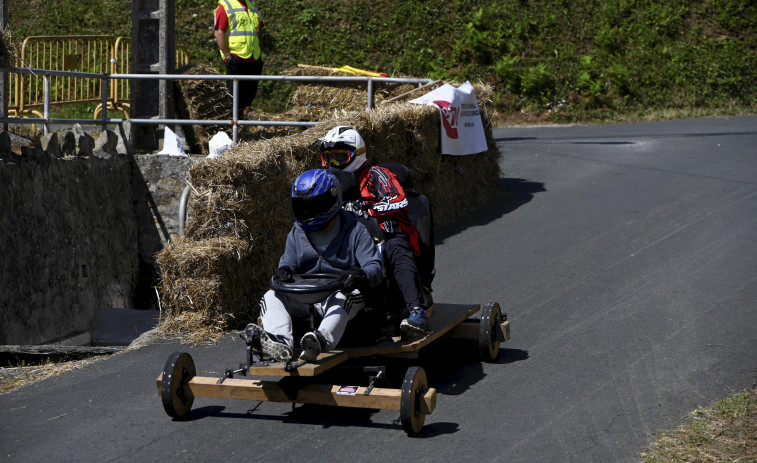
column 312, row 344
column 262, row 341
column 415, row 324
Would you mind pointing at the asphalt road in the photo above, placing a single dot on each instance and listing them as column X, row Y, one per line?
column 625, row 258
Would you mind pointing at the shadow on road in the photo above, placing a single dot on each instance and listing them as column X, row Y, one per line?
column 324, row 416
column 511, row 193
column 453, row 366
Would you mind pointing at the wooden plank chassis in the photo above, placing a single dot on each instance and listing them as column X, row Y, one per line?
column 449, row 319
column 320, row 394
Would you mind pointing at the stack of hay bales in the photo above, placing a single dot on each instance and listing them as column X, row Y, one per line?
column 213, row 277
column 318, row 101
column 201, row 99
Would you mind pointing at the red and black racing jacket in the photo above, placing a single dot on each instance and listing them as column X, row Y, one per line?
column 382, row 191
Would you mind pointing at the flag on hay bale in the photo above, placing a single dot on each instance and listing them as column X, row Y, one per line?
column 462, row 127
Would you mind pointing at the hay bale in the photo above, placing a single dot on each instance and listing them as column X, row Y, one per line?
column 8, row 49
column 201, row 99
column 241, row 208
column 208, row 278
column 348, row 96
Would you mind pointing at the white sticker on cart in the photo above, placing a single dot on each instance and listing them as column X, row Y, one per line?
column 348, row 390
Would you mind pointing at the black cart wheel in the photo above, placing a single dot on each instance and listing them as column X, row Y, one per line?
column 177, row 398
column 488, row 336
column 414, row 386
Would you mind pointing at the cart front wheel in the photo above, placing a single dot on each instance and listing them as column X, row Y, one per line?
column 488, row 338
column 414, row 386
column 176, row 396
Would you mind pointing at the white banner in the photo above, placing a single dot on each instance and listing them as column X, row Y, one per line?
column 462, row 128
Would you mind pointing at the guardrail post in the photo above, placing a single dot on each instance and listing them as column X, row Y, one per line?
column 370, row 93
column 234, row 110
column 104, row 93
column 46, row 81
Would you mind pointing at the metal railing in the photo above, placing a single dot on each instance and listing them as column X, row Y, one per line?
column 49, row 75
column 84, row 53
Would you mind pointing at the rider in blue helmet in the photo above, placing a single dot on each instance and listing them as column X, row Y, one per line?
column 316, row 199
column 323, row 239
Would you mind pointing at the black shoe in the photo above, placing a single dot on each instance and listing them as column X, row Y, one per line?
column 312, row 344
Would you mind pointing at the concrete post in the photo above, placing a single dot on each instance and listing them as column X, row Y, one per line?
column 153, row 51
column 4, row 80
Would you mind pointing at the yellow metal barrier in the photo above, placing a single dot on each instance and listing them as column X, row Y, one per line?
column 120, row 89
column 14, row 90
column 83, row 53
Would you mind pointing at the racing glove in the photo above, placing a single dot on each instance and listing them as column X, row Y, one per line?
column 283, row 274
column 353, row 279
column 358, row 207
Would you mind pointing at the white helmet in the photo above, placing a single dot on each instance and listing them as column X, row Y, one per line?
column 343, row 149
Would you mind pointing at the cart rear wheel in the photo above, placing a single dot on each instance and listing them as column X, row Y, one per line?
column 177, row 398
column 488, row 337
column 414, row 386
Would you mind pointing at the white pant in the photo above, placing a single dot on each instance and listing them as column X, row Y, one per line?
column 277, row 309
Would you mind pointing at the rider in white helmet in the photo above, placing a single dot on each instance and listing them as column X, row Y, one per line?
column 344, row 149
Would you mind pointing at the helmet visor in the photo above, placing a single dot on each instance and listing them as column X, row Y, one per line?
column 308, row 208
column 336, row 157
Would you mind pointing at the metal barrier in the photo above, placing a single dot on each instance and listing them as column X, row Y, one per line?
column 120, row 64
column 14, row 93
column 49, row 75
column 86, row 53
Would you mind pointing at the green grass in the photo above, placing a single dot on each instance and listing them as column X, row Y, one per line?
column 558, row 61
column 724, row 432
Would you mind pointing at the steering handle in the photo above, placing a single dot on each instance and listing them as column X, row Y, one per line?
column 309, row 283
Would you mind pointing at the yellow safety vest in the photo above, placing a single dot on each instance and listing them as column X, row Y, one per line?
column 243, row 33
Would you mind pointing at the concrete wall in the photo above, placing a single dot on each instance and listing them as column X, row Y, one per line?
column 78, row 233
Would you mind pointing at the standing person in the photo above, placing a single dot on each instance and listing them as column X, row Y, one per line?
column 237, row 25
column 323, row 239
column 344, row 149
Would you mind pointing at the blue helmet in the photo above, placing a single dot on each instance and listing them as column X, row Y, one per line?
column 316, row 199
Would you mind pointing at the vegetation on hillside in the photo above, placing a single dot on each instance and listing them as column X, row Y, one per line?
column 560, row 60
column 725, row 432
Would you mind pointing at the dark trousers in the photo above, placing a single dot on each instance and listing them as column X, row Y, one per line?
column 247, row 88
column 400, row 259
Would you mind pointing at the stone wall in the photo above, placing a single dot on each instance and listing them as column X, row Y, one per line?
column 78, row 232
column 69, row 240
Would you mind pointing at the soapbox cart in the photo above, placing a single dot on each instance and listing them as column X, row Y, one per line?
column 298, row 381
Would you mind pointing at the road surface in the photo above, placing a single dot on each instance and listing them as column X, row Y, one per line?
column 625, row 258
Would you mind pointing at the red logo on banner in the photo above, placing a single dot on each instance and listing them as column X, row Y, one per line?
column 449, row 117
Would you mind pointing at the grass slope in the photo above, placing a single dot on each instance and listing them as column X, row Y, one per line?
column 559, row 61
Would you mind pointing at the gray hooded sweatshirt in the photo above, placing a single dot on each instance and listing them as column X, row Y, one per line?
column 352, row 247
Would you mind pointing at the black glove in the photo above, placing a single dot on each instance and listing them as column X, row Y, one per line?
column 353, row 279
column 283, row 274
column 358, row 206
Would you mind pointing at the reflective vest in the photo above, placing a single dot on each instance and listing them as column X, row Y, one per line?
column 244, row 26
